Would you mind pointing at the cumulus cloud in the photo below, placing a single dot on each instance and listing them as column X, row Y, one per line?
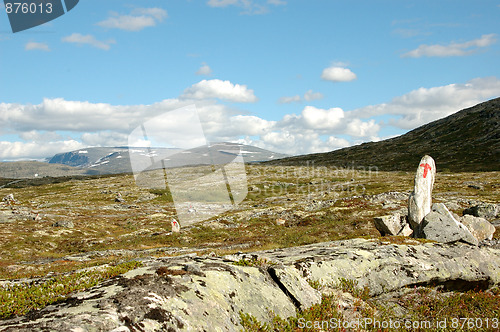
column 40, row 136
column 316, row 118
column 249, row 125
column 338, row 74
column 225, row 90
column 31, row 46
column 43, row 128
column 137, row 20
column 35, row 150
column 80, row 40
column 101, row 124
column 289, row 100
column 424, row 105
column 104, row 138
column 204, row 70
column 310, row 95
column 452, row 49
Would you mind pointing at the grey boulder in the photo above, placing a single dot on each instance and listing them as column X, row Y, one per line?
column 440, row 225
column 481, row 228
column 485, row 210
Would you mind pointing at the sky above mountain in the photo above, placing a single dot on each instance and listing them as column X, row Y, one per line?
column 291, row 76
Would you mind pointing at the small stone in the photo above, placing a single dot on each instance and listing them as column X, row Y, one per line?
column 119, row 198
column 391, row 225
column 406, row 231
column 63, row 223
column 280, row 221
column 420, row 200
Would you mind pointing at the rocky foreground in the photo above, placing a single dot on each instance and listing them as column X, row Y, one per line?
column 208, row 293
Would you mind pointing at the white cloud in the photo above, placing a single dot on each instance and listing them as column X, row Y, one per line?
column 222, row 3
column 80, row 39
column 100, row 124
column 30, row 46
column 316, row 118
column 289, row 100
column 338, row 74
column 452, row 49
column 104, row 138
column 311, row 95
column 249, row 125
column 138, row 19
column 424, row 105
column 39, row 136
column 204, row 70
column 208, row 89
column 250, row 7
column 43, row 128
column 358, row 128
column 158, row 13
column 35, row 150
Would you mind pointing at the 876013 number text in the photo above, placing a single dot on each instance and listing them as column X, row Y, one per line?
column 28, row 8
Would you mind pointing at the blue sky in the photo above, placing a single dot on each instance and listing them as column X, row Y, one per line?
column 291, row 76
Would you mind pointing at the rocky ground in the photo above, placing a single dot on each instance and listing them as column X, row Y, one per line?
column 59, row 228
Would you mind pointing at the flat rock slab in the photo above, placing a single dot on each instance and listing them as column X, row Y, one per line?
column 207, row 294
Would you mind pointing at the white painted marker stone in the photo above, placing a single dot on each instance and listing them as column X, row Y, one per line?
column 176, row 227
column 420, row 201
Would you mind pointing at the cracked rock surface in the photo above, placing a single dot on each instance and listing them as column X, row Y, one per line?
column 202, row 293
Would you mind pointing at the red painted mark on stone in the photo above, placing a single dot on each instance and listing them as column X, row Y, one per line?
column 426, row 167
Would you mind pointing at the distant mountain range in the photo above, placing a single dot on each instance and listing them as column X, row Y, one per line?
column 115, row 160
column 466, row 141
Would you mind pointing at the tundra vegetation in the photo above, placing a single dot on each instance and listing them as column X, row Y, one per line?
column 285, row 206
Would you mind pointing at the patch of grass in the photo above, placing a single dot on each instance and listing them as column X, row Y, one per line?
column 58, row 266
column 327, row 310
column 254, row 261
column 163, row 195
column 23, row 298
column 316, row 284
column 351, row 286
column 462, row 308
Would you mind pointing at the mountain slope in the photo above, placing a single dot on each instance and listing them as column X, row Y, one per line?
column 113, row 160
column 468, row 140
column 34, row 169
